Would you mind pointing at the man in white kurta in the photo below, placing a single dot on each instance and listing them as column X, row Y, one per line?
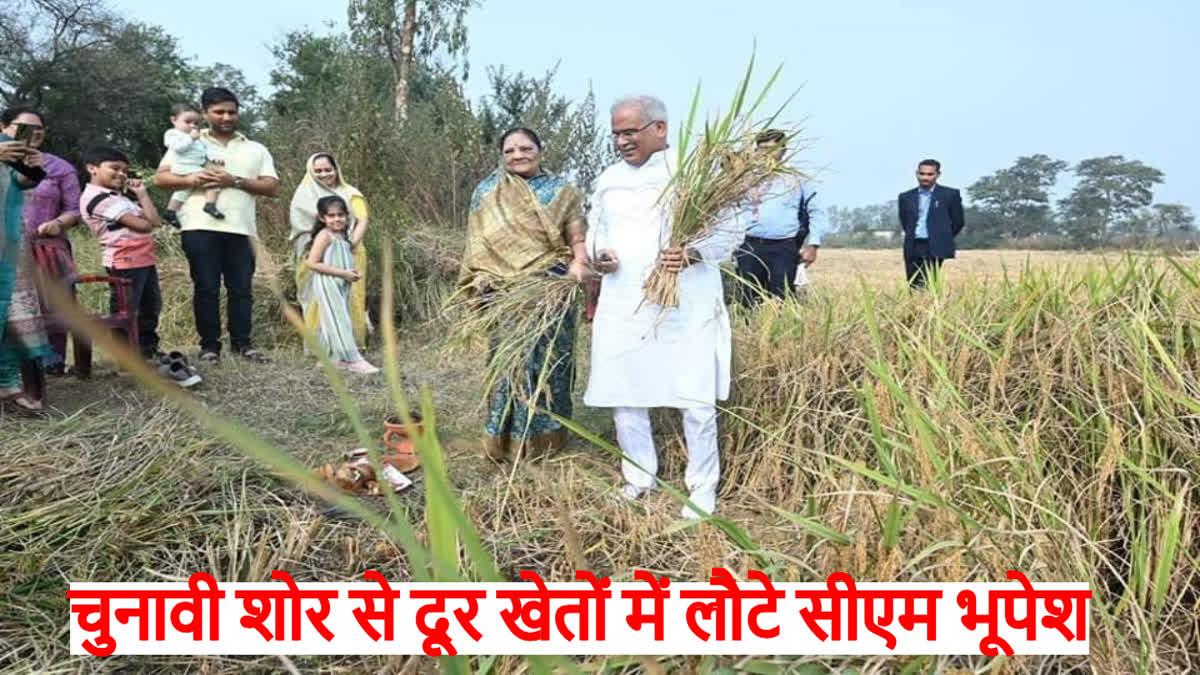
column 645, row 356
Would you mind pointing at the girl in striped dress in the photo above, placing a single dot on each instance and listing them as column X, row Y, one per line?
column 332, row 264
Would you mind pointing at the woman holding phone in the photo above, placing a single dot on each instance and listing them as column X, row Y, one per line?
column 22, row 335
column 51, row 209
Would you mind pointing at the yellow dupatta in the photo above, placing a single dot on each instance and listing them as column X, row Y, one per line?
column 516, row 225
column 302, row 216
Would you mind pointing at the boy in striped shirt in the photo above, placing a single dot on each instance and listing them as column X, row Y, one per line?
column 125, row 229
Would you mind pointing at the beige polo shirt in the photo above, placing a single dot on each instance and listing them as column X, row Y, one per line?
column 243, row 158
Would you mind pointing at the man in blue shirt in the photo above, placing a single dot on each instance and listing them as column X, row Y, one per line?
column 771, row 253
column 931, row 216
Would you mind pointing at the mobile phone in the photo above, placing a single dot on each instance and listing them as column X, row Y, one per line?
column 25, row 133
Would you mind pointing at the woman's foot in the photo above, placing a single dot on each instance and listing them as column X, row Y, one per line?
column 21, row 400
column 362, row 367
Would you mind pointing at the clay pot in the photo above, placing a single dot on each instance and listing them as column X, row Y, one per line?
column 399, row 448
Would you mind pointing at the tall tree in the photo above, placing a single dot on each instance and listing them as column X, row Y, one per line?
column 98, row 78
column 574, row 142
column 1173, row 218
column 1110, row 191
column 39, row 36
column 1017, row 199
column 404, row 29
column 309, row 68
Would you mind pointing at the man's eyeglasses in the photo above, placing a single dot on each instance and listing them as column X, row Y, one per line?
column 626, row 134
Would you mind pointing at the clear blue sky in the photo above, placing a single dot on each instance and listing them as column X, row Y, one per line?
column 972, row 83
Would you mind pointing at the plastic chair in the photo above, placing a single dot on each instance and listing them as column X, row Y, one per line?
column 125, row 318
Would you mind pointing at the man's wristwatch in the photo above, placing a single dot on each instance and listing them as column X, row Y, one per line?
column 239, row 183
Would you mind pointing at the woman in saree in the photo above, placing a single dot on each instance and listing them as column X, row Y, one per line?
column 23, row 342
column 323, row 178
column 525, row 221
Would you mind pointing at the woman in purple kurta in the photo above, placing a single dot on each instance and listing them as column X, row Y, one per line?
column 51, row 209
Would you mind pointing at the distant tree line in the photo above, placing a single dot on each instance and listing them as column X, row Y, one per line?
column 100, row 78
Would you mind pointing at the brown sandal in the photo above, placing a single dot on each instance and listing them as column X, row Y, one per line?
column 24, row 402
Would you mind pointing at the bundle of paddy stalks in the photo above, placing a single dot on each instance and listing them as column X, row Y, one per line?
column 515, row 315
column 714, row 173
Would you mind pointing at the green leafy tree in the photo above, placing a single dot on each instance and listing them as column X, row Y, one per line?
column 338, row 93
column 1110, row 191
column 1159, row 220
column 1082, row 218
column 574, row 143
column 311, row 68
column 98, row 78
column 984, row 229
column 37, row 37
column 1170, row 218
column 1016, row 200
column 402, row 30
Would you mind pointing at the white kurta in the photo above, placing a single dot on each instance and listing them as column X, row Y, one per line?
column 649, row 357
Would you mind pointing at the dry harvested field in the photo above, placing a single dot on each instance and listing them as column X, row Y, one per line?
column 1049, row 423
column 880, row 268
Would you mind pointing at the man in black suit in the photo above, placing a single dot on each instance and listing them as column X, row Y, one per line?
column 931, row 216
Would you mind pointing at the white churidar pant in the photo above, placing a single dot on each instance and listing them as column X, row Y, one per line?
column 699, row 430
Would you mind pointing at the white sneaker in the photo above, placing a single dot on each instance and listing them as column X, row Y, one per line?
column 706, row 501
column 182, row 375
